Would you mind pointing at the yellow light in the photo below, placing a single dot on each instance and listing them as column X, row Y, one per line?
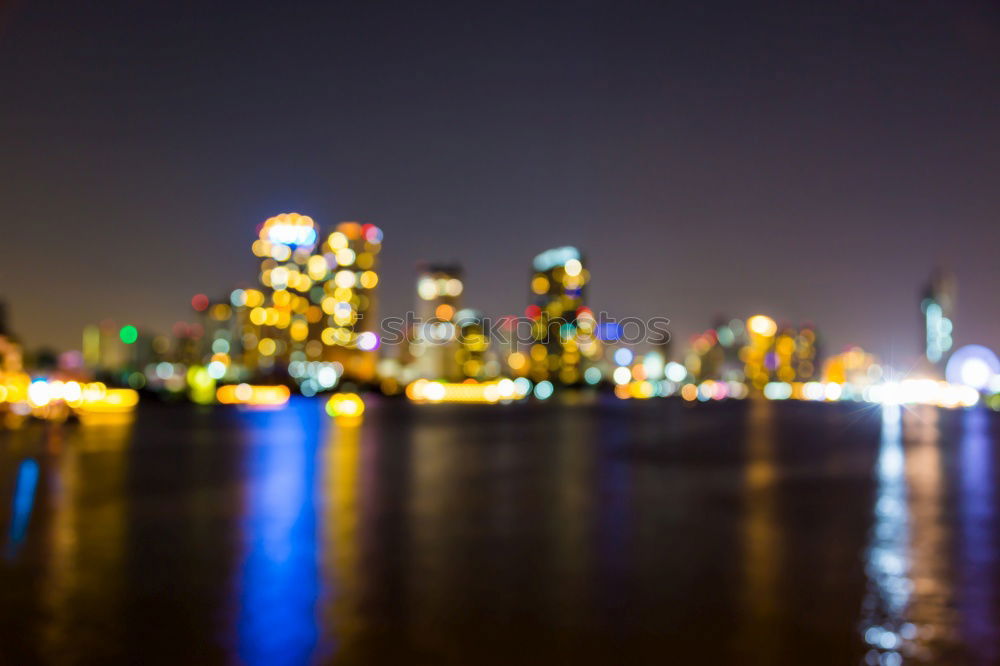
column 220, row 312
column 266, row 346
column 337, row 241
column 517, row 361
column 253, row 297
column 316, row 267
column 299, row 330
column 424, row 391
column 369, row 279
column 539, row 284
column 247, row 394
column 762, row 325
column 345, row 407
column 109, row 401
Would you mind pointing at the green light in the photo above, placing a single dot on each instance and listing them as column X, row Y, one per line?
column 128, row 334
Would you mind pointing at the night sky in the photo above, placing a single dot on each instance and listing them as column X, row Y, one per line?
column 813, row 163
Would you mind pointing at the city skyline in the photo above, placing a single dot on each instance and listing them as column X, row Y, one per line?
column 708, row 160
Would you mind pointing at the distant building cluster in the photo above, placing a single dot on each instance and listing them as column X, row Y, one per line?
column 309, row 323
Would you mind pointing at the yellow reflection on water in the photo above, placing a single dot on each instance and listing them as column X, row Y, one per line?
column 86, row 512
column 762, row 534
column 342, row 466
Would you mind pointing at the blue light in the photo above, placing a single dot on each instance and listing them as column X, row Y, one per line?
column 279, row 581
column 543, row 390
column 555, row 257
column 623, row 356
column 24, row 500
column 609, row 331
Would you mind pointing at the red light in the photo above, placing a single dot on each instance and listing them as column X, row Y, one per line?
column 199, row 302
column 533, row 311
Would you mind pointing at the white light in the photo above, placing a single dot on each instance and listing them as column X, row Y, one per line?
column 326, row 377
column 216, row 369
column 813, row 391
column 975, row 373
column 505, row 389
column 622, row 375
column 434, row 391
column 653, row 363
column 676, row 372
column 291, row 234
column 573, row 267
column 777, row 391
column 367, row 341
column 834, row 391
column 427, row 289
column 39, row 393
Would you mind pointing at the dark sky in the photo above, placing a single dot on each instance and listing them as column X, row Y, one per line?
column 809, row 162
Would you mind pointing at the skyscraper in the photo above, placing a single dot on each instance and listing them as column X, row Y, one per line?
column 937, row 308
column 434, row 344
column 285, row 244
column 347, row 270
column 563, row 327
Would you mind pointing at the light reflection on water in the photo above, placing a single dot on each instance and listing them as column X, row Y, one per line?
column 279, row 537
column 885, row 626
column 279, row 579
column 979, row 547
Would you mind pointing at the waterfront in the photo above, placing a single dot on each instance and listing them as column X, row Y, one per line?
column 601, row 532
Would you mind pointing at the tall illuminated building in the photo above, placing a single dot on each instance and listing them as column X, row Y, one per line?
column 346, row 278
column 758, row 355
column 285, row 244
column 563, row 328
column 434, row 340
column 473, row 344
column 937, row 308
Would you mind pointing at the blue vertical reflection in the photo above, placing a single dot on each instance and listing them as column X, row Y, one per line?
column 887, row 560
column 279, row 584
column 24, row 499
column 979, row 541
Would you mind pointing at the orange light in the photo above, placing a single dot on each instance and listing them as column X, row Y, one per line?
column 444, row 312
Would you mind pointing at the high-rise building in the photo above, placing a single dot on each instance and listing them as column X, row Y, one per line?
column 434, row 340
column 564, row 329
column 347, row 272
column 473, row 344
column 285, row 244
column 937, row 308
